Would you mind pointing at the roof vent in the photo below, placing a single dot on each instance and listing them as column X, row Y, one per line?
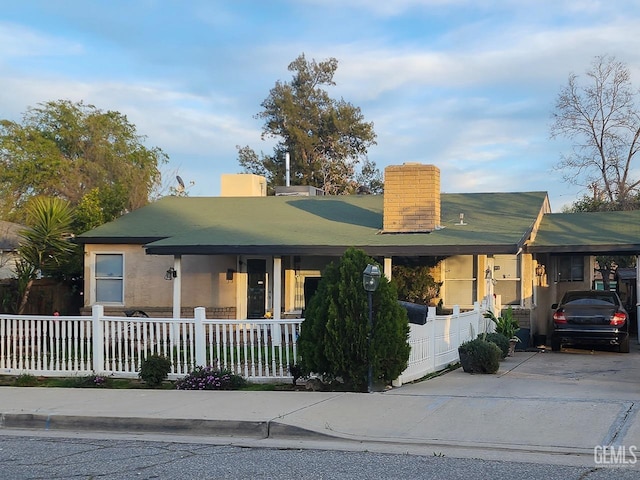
column 299, row 191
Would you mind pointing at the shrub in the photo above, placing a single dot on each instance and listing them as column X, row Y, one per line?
column 415, row 284
column 334, row 336
column 479, row 356
column 499, row 339
column 210, row 378
column 154, row 370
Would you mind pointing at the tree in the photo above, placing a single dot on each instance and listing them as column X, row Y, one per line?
column 327, row 139
column 45, row 244
column 68, row 150
column 334, row 336
column 601, row 118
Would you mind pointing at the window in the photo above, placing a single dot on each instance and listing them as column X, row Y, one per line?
column 109, row 278
column 570, row 268
column 460, row 286
column 507, row 278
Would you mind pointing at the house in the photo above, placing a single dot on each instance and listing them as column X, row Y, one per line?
column 9, row 242
column 246, row 255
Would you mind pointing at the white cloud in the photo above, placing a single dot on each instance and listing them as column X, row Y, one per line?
column 518, row 54
column 19, row 41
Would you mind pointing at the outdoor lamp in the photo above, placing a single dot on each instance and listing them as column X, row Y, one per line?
column 371, row 278
column 370, row 281
column 171, row 274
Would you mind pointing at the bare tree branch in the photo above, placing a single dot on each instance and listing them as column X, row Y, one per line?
column 601, row 118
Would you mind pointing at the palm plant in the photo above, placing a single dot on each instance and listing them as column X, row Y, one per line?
column 45, row 243
column 505, row 324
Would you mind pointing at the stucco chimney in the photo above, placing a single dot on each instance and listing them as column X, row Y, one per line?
column 411, row 198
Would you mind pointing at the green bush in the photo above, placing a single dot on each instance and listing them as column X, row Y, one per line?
column 154, row 370
column 415, row 284
column 499, row 339
column 333, row 339
column 479, row 356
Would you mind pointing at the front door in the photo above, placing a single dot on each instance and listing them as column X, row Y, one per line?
column 257, row 288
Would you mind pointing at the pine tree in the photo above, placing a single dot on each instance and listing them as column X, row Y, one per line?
column 334, row 336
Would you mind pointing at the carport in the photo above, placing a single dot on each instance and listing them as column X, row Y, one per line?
column 566, row 246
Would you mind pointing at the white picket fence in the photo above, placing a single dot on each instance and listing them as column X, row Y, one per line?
column 115, row 346
column 434, row 345
column 260, row 350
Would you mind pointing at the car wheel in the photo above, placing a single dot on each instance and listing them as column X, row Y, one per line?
column 624, row 345
column 555, row 344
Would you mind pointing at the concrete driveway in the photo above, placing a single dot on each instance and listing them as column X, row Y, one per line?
column 570, row 374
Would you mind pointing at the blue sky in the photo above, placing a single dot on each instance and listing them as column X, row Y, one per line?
column 467, row 85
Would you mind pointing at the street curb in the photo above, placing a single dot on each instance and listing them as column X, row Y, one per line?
column 250, row 431
column 279, row 430
column 196, row 427
column 221, row 428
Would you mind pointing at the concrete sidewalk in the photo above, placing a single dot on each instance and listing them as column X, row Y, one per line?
column 548, row 407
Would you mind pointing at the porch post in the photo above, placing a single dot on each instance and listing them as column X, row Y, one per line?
column 277, row 299
column 488, row 276
column 177, row 286
column 387, row 267
column 277, row 287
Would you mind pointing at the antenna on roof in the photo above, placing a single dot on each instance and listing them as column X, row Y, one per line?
column 181, row 189
column 287, row 164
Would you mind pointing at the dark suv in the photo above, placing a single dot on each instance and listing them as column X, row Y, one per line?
column 590, row 317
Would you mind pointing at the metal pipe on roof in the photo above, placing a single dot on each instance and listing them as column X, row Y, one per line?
column 287, row 164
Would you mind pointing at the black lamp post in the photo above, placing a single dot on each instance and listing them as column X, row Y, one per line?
column 370, row 280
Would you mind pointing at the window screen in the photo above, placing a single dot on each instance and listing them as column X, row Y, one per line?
column 109, row 278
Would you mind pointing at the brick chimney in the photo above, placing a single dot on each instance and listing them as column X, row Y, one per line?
column 411, row 198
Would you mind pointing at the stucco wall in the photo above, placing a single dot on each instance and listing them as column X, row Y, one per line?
column 203, row 279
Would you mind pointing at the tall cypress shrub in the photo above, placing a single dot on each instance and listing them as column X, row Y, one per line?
column 334, row 336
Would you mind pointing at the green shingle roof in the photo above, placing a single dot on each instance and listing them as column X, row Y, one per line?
column 590, row 232
column 494, row 223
